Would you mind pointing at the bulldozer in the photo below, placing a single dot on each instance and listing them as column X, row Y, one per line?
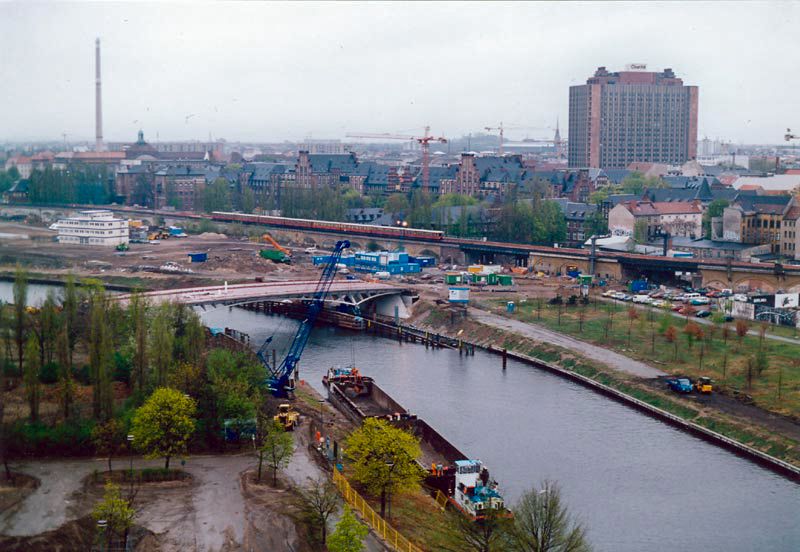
column 287, row 417
column 703, row 385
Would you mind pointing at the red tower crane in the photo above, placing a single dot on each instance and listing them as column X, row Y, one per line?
column 424, row 141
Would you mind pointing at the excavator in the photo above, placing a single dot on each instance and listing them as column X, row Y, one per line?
column 279, row 255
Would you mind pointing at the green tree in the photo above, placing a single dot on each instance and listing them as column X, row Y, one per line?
column 101, row 354
column 20, row 291
column 384, row 458
column 163, row 425
column 69, row 304
column 248, row 200
column 66, row 391
column 162, row 342
column 117, row 512
column 714, row 209
column 31, row 375
column 640, row 231
column 277, row 447
column 4, row 330
column 542, row 523
column 316, row 503
column 396, row 203
column 137, row 311
column 217, row 196
column 349, row 534
column 636, row 183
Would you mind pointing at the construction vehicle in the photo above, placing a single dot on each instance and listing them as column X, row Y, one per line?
column 266, row 238
column 680, row 385
column 275, row 256
column 703, row 385
column 122, row 247
column 280, row 380
column 287, row 417
column 158, row 235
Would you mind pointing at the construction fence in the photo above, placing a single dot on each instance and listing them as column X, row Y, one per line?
column 390, row 535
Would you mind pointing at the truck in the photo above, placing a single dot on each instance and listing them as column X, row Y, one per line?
column 703, row 385
column 680, row 385
column 275, row 256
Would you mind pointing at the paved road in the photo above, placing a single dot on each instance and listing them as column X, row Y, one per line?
column 614, row 360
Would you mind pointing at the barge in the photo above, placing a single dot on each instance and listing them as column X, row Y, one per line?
column 464, row 482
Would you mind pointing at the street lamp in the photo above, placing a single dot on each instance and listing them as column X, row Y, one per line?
column 102, row 525
column 130, row 453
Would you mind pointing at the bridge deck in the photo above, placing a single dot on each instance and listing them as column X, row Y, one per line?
column 241, row 293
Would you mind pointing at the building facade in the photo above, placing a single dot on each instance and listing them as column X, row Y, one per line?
column 629, row 116
column 96, row 227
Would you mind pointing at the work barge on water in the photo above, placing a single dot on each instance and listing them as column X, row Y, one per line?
column 464, row 483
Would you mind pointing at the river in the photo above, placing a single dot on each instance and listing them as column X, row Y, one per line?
column 637, row 483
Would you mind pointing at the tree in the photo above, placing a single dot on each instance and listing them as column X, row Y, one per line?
column 70, row 311
column 47, row 328
column 163, row 425
column 349, row 534
column 384, row 458
column 31, row 374
column 671, row 335
column 107, row 438
column 762, row 361
column 3, row 365
column 277, row 447
column 101, row 355
column 66, row 391
column 20, row 314
column 216, row 196
column 316, row 503
column 117, row 512
column 640, row 231
column 633, row 315
column 542, row 523
column 248, row 200
column 137, row 311
column 162, row 342
column 714, row 209
column 693, row 333
column 742, row 328
column 489, row 534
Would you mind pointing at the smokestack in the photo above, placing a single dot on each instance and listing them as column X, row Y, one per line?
column 98, row 100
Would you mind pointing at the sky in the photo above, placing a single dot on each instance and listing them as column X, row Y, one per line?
column 288, row 71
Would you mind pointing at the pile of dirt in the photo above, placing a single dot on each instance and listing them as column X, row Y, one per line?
column 80, row 534
column 212, row 236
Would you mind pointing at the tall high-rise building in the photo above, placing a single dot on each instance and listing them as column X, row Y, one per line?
column 619, row 118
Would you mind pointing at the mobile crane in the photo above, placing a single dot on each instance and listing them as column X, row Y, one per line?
column 280, row 380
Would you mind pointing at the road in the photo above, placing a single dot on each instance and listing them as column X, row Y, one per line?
column 612, row 359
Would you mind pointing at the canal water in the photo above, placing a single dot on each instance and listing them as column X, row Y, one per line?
column 637, row 483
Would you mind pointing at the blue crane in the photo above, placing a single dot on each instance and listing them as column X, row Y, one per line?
column 280, row 380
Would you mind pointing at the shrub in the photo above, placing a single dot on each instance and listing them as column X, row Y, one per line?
column 67, row 439
column 81, row 374
column 49, row 373
column 122, row 367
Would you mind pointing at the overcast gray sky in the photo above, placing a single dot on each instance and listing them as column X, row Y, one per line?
column 270, row 71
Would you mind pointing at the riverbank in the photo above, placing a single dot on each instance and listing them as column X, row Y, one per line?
column 762, row 438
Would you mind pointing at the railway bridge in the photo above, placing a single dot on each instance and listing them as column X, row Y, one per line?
column 382, row 299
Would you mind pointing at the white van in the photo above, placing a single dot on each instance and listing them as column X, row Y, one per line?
column 689, row 296
column 641, row 298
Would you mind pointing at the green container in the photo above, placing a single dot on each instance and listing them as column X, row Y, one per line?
column 491, row 279
column 505, row 279
column 453, row 278
column 479, row 278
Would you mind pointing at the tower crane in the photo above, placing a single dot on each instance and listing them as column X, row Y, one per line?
column 280, row 381
column 499, row 128
column 790, row 136
column 556, row 141
column 424, row 141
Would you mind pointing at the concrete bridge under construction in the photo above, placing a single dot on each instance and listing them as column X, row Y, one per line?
column 382, row 299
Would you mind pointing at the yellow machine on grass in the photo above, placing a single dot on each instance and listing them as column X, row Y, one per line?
column 703, row 385
column 287, row 417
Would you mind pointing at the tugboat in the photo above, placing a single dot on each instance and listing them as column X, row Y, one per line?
column 475, row 493
column 347, row 376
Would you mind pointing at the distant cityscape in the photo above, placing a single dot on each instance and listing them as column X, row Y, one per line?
column 632, row 170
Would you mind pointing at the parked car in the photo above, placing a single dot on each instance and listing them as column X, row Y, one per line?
column 677, row 308
column 680, row 385
column 703, row 314
column 700, row 301
column 728, row 318
column 658, row 303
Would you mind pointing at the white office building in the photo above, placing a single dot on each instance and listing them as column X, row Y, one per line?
column 96, row 227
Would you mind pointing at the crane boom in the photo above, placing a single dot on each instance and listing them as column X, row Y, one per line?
column 280, row 381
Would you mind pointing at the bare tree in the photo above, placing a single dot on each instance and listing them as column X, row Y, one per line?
column 542, row 523
column 316, row 503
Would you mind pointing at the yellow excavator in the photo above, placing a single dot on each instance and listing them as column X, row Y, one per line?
column 287, row 417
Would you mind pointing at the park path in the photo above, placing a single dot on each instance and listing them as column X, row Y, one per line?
column 611, row 358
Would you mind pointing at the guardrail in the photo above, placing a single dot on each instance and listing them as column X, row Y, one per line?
column 389, row 534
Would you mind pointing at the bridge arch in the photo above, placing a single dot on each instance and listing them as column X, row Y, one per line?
column 717, row 284
column 753, row 282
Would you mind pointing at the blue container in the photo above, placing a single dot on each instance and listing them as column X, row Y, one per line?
column 198, row 257
column 510, row 306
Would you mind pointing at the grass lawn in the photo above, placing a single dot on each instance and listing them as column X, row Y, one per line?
column 732, row 363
